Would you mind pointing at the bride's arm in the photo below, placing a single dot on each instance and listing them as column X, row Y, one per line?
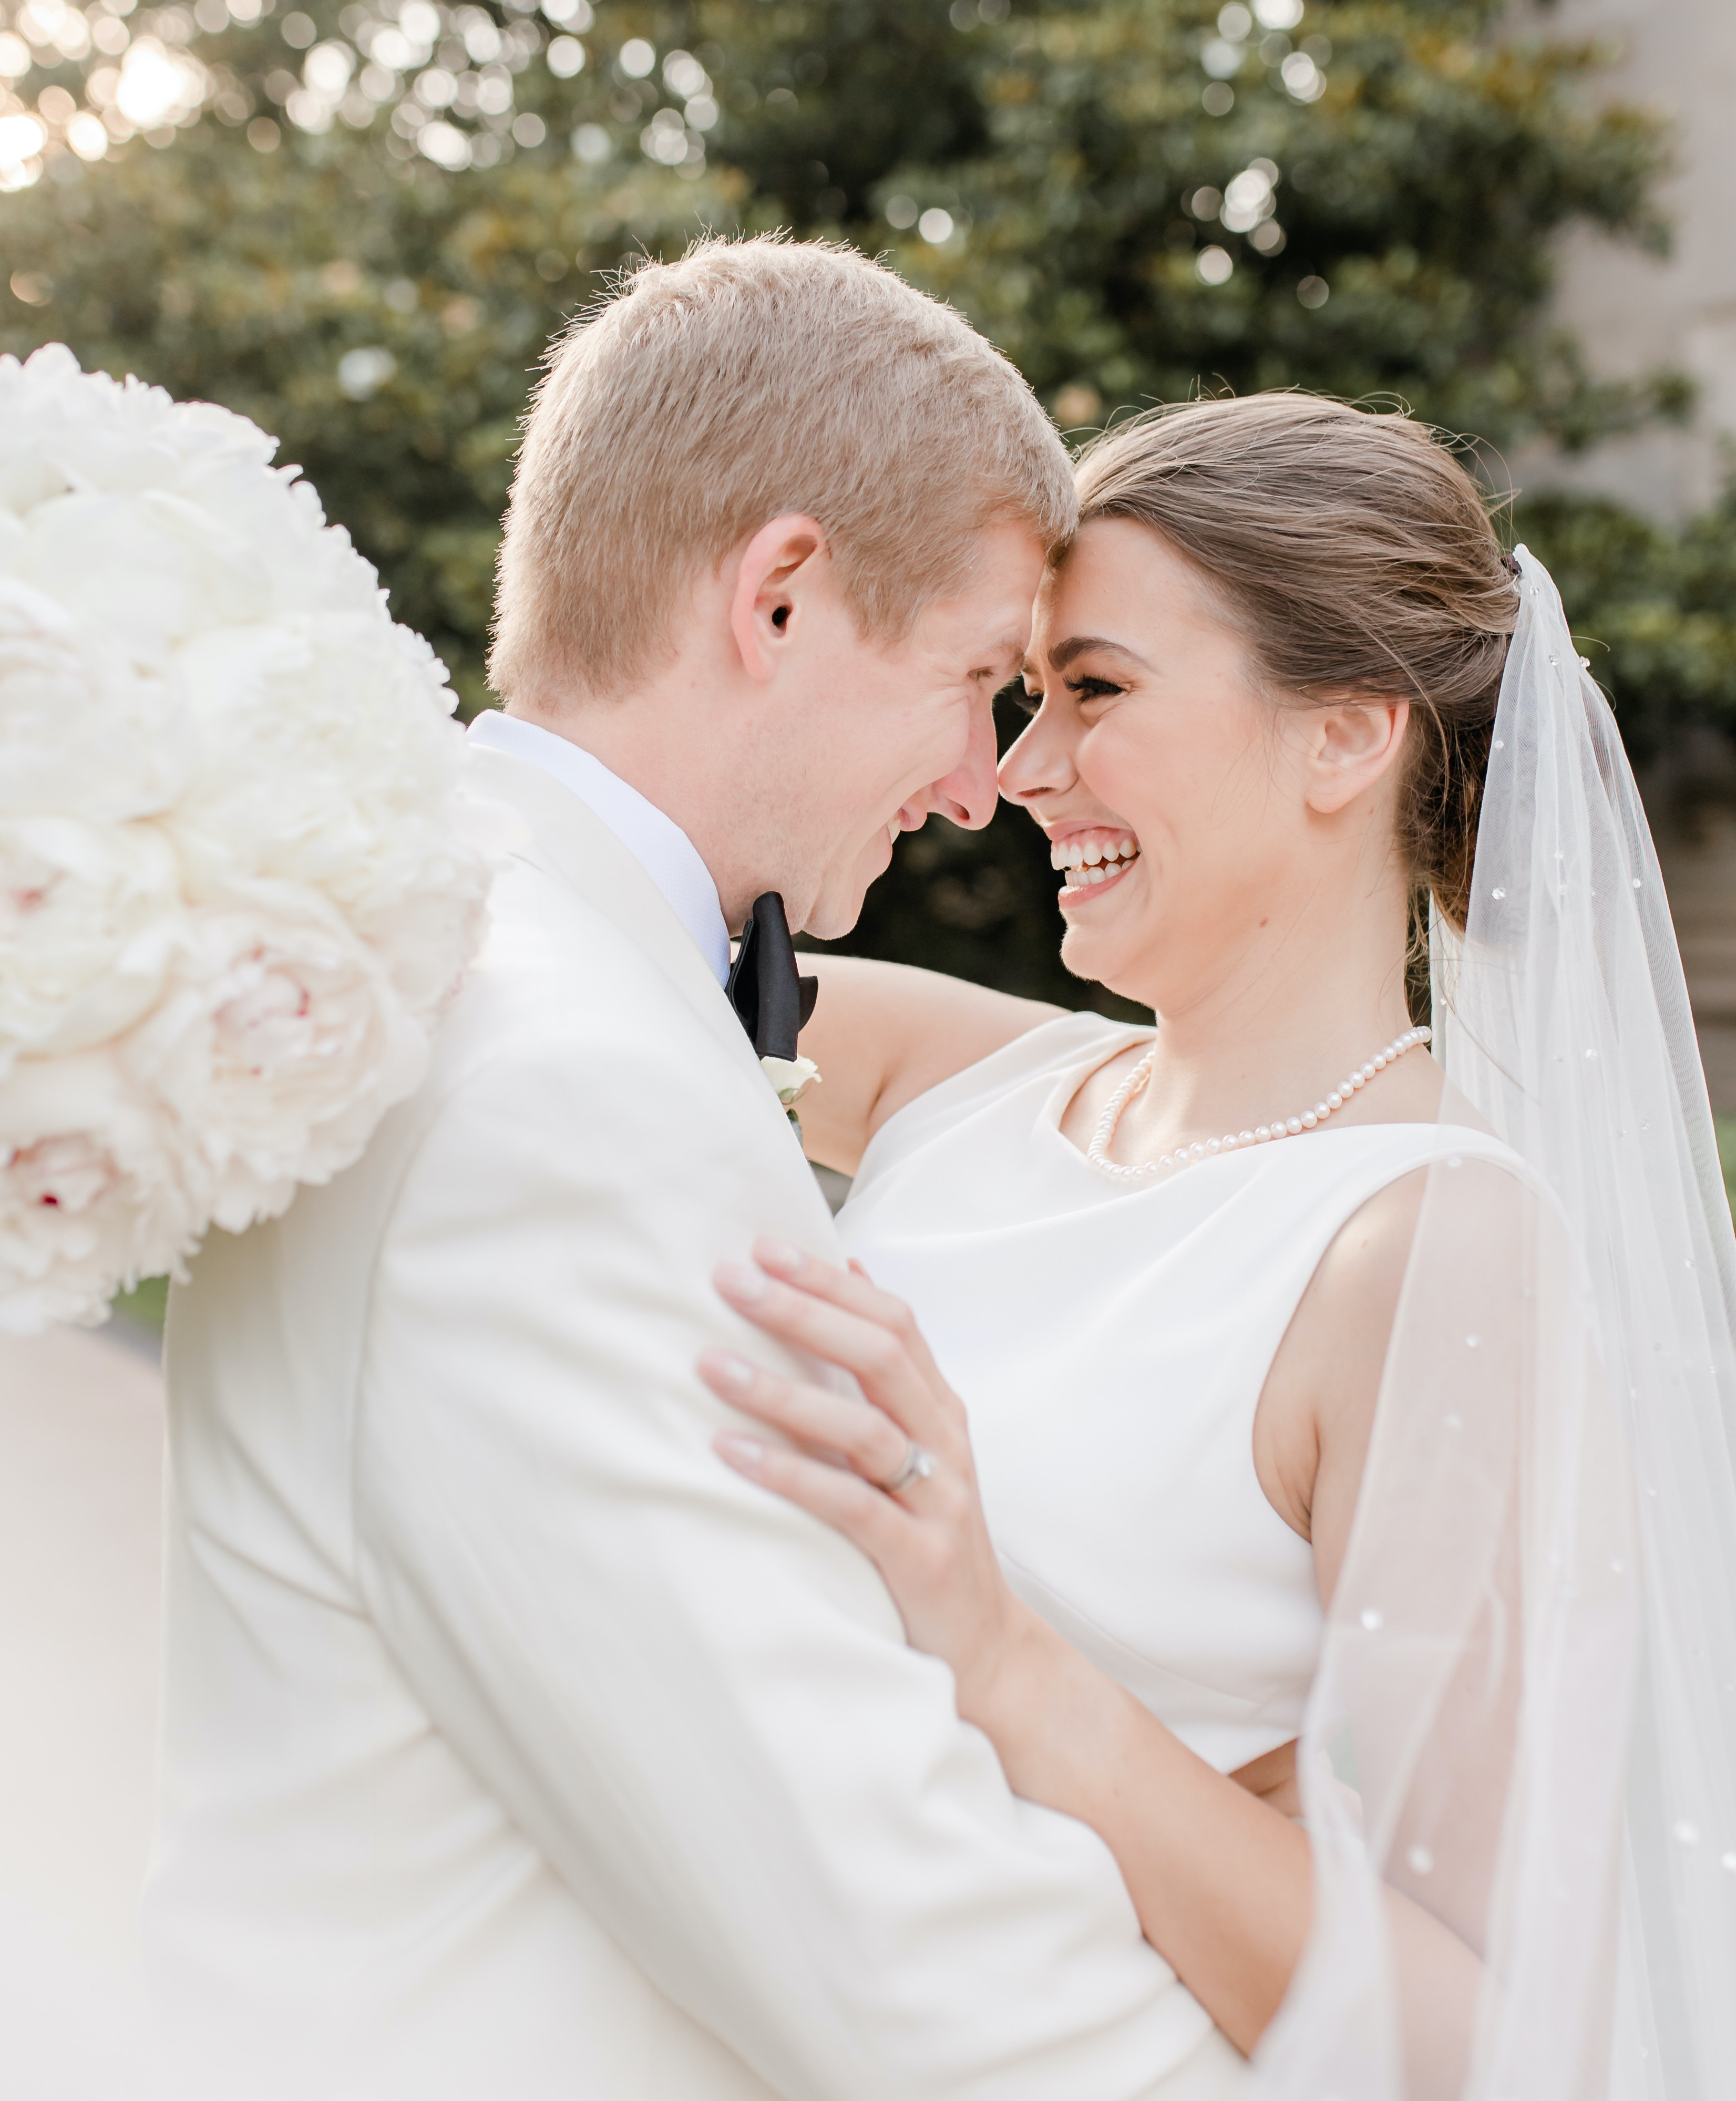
column 1222, row 1878
column 881, row 1033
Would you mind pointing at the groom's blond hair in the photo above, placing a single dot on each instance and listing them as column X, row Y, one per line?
column 750, row 380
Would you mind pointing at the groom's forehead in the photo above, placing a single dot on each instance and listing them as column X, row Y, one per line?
column 603, row 531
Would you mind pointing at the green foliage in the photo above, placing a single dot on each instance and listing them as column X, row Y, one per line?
column 1402, row 247
column 145, row 1306
column 1726, row 1126
column 1654, row 609
column 1417, row 187
column 824, row 101
column 243, row 277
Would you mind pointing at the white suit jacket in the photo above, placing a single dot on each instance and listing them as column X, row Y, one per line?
column 514, row 1746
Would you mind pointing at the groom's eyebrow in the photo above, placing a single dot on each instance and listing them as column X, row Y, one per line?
column 1008, row 645
column 1005, row 661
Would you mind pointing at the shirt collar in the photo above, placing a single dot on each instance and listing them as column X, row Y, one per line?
column 655, row 841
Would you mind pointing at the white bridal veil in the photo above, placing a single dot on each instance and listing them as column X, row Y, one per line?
column 1519, row 1766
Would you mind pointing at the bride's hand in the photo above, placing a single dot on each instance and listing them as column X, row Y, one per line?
column 925, row 1531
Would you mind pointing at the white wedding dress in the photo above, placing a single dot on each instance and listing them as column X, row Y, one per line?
column 1516, row 1716
column 1111, row 1340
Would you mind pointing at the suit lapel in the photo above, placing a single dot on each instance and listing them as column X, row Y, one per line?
column 569, row 842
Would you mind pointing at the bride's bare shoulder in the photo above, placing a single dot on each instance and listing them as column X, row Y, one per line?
column 1316, row 1413
column 1326, row 1374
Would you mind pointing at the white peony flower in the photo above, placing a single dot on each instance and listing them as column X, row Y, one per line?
column 329, row 757
column 62, row 430
column 150, row 569
column 96, row 1191
column 280, row 1045
column 80, row 729
column 89, row 916
column 237, row 886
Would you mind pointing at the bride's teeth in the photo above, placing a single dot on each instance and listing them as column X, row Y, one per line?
column 1085, row 865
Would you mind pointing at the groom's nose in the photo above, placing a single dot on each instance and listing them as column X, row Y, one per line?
column 968, row 793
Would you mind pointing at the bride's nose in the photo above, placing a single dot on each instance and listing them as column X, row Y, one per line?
column 1039, row 763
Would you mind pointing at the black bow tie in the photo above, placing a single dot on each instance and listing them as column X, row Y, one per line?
column 771, row 999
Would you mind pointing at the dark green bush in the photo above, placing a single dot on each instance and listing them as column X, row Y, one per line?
column 1654, row 609
column 1413, row 202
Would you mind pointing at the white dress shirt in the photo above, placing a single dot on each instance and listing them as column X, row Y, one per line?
column 655, row 841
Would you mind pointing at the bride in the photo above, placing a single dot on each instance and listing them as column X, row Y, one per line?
column 1303, row 1440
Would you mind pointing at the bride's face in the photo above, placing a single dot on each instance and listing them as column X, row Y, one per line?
column 1183, row 810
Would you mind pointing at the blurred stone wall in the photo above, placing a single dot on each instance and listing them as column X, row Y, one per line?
column 1636, row 313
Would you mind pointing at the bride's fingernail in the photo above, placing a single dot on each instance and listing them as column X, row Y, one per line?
column 779, row 1255
column 737, row 1280
column 747, row 1452
column 727, row 1370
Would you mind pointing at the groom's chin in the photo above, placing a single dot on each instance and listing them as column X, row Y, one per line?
column 838, row 906
column 833, row 918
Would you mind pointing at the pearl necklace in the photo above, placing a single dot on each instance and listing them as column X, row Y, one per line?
column 1185, row 1156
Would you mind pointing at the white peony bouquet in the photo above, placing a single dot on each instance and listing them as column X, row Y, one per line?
column 236, row 885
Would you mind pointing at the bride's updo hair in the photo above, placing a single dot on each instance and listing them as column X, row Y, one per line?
column 1354, row 555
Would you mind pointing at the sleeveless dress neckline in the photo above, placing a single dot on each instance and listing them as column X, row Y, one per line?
column 1111, row 1340
column 1054, row 1112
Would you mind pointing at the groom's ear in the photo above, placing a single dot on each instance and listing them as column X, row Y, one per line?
column 776, row 574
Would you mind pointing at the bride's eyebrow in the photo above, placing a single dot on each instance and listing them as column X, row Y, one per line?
column 1081, row 645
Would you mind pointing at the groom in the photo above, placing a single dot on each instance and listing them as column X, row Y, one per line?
column 514, row 1747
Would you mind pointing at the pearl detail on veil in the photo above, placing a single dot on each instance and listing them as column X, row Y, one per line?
column 1185, row 1156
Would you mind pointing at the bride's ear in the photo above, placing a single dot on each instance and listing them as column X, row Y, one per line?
column 1349, row 747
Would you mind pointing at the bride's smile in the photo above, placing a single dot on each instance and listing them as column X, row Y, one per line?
column 1227, row 845
column 1091, row 858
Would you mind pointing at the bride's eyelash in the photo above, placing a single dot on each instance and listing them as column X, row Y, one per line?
column 1084, row 689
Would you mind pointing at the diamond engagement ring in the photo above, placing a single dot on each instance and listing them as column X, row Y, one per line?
column 918, row 1465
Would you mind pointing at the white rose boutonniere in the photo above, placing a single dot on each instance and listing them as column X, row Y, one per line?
column 791, row 1079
